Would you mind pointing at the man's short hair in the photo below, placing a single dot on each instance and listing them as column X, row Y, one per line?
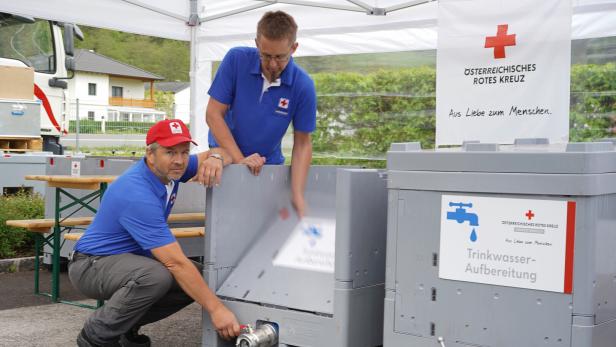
column 277, row 25
column 153, row 146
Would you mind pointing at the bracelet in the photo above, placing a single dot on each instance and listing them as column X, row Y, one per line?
column 217, row 156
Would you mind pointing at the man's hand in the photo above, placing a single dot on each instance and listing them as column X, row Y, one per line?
column 210, row 171
column 225, row 323
column 300, row 205
column 254, row 162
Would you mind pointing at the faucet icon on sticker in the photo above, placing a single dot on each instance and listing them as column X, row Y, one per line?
column 313, row 233
column 460, row 215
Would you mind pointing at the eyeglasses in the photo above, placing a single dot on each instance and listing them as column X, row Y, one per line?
column 281, row 58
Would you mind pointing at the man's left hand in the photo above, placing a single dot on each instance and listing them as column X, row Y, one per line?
column 300, row 205
column 210, row 172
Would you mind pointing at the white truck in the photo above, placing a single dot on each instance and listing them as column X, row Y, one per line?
column 36, row 59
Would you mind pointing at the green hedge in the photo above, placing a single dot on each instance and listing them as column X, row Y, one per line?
column 19, row 206
column 593, row 102
column 362, row 114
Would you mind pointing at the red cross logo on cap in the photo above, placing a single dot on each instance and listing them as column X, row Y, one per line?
column 175, row 128
column 500, row 41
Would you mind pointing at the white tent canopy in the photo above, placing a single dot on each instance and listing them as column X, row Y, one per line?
column 326, row 27
column 337, row 27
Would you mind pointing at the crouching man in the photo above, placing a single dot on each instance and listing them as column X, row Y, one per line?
column 128, row 255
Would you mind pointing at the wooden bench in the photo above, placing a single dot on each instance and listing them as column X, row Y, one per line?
column 43, row 225
column 179, row 233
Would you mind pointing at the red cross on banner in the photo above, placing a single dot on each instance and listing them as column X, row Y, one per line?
column 500, row 41
column 529, row 214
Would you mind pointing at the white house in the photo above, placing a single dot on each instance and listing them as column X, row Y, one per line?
column 181, row 97
column 110, row 90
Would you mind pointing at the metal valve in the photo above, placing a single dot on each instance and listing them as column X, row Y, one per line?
column 265, row 335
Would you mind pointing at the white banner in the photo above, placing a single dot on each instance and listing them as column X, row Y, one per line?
column 519, row 243
column 503, row 70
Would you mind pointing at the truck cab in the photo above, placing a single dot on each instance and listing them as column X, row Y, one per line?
column 46, row 47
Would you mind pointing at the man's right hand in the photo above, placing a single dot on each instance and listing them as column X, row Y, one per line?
column 225, row 323
column 254, row 162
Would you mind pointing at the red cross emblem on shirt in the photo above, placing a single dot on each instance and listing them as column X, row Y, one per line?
column 283, row 103
column 500, row 41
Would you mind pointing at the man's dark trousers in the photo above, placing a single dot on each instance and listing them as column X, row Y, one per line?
column 138, row 290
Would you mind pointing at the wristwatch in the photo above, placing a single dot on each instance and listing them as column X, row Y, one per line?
column 217, row 156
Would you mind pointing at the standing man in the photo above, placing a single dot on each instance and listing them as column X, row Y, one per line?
column 129, row 257
column 256, row 94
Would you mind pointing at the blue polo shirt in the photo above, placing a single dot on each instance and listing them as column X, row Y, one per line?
column 132, row 217
column 258, row 122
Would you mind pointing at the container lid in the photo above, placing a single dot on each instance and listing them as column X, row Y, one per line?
column 524, row 156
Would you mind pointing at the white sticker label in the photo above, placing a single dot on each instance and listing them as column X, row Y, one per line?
column 311, row 246
column 518, row 243
column 76, row 168
column 176, row 128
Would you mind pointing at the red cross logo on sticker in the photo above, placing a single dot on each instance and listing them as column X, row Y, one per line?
column 175, row 128
column 500, row 41
column 283, row 103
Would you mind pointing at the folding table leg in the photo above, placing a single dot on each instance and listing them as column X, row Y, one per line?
column 38, row 243
column 55, row 274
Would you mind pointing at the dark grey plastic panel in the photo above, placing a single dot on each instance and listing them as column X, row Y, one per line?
column 360, row 239
column 477, row 314
column 257, row 279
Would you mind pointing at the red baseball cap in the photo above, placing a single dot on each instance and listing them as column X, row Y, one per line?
column 168, row 133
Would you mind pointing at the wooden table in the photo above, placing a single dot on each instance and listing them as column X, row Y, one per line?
column 98, row 184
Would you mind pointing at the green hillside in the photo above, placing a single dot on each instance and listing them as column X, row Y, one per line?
column 167, row 58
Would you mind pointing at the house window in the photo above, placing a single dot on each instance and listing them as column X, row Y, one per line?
column 90, row 115
column 117, row 92
column 91, row 88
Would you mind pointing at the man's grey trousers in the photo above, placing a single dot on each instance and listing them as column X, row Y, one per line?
column 138, row 290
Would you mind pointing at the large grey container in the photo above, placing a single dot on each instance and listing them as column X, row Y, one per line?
column 250, row 222
column 423, row 309
column 20, row 118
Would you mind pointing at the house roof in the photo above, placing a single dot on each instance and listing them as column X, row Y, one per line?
column 90, row 61
column 173, row 87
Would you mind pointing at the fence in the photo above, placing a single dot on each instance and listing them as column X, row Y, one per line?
column 109, row 127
